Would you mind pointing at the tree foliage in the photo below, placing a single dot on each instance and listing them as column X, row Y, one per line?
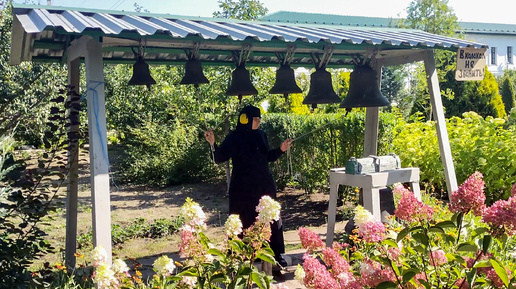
column 241, row 9
column 25, row 90
column 433, row 16
column 507, row 92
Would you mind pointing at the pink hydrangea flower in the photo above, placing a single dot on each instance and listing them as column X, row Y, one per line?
column 469, row 196
column 513, row 190
column 437, row 258
column 501, row 217
column 310, row 240
column 373, row 273
column 333, row 259
column 409, row 208
column 316, row 275
column 372, row 232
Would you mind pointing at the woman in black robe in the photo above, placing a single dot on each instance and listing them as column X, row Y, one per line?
column 248, row 148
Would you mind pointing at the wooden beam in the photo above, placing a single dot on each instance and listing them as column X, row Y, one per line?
column 438, row 113
column 73, row 173
column 407, row 57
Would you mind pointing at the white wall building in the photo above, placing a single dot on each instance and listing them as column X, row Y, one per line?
column 501, row 39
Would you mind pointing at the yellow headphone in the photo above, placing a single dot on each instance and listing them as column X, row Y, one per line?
column 243, row 118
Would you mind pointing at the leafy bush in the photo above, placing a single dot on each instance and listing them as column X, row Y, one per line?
column 29, row 197
column 476, row 144
column 138, row 228
column 324, row 141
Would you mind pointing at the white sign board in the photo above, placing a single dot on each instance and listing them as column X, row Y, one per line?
column 471, row 64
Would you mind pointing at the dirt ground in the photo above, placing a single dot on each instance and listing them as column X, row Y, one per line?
column 130, row 202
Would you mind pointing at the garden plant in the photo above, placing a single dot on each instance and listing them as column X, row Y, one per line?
column 462, row 244
column 230, row 265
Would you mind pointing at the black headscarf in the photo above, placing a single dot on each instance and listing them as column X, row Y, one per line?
column 245, row 118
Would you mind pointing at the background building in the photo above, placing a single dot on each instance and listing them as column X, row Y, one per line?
column 501, row 38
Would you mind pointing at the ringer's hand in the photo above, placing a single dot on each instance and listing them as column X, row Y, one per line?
column 285, row 145
column 210, row 137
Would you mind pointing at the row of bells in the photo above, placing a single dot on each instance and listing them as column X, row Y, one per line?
column 364, row 90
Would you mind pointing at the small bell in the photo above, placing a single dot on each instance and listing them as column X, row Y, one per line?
column 241, row 83
column 141, row 74
column 321, row 89
column 193, row 73
column 285, row 81
column 364, row 90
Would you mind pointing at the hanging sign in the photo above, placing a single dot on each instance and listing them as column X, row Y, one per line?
column 471, row 64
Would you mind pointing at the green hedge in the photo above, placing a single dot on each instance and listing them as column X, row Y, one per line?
column 178, row 153
column 477, row 144
column 327, row 141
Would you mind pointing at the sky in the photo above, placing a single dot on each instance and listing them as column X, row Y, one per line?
column 492, row 11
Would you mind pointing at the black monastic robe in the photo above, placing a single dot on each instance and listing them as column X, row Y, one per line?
column 251, row 177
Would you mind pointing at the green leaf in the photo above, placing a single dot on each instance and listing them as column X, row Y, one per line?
column 500, row 271
column 390, row 243
column 259, row 280
column 436, row 229
column 421, row 238
column 216, row 252
column 446, row 224
column 408, row 275
column 220, row 277
column 482, row 264
column 485, row 243
column 467, row 247
column 387, row 284
column 265, row 257
column 402, row 234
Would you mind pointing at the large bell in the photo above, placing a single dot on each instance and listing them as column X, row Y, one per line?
column 141, row 74
column 285, row 81
column 241, row 83
column 364, row 90
column 193, row 73
column 321, row 89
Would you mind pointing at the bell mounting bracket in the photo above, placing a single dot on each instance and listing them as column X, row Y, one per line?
column 287, row 56
column 240, row 57
column 194, row 52
column 320, row 63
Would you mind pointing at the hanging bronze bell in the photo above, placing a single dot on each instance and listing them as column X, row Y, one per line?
column 193, row 73
column 241, row 83
column 141, row 74
column 321, row 89
column 285, row 81
column 364, row 89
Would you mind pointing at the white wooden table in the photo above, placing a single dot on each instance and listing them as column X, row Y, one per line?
column 371, row 184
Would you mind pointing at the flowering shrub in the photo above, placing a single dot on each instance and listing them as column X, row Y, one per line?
column 205, row 266
column 428, row 245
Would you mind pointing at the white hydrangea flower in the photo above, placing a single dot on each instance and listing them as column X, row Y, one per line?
column 190, row 281
column 193, row 213
column 362, row 216
column 233, row 226
column 365, row 268
column 120, row 267
column 299, row 274
column 164, row 266
column 268, row 210
column 99, row 256
column 105, row 277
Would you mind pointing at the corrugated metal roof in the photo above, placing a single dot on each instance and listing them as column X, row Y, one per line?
column 42, row 33
column 331, row 19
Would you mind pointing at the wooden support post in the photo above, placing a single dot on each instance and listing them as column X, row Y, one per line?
column 98, row 147
column 438, row 113
column 372, row 123
column 73, row 175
